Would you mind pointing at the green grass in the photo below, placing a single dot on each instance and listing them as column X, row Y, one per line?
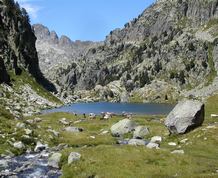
column 136, row 98
column 102, row 157
column 211, row 23
column 213, row 72
column 211, row 106
column 25, row 78
column 7, row 128
column 91, row 128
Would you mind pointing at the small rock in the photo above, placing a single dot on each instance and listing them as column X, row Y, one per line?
column 92, row 116
column 61, row 147
column 137, row 142
column 73, row 157
column 20, row 125
column 54, row 160
column 37, row 119
column 172, row 144
column 211, row 127
column 44, row 154
column 76, row 122
column 214, row 116
column 40, row 147
column 64, row 121
column 26, row 136
column 140, row 132
column 19, row 145
column 122, row 142
column 178, row 152
column 104, row 132
column 184, row 140
column 28, row 131
column 93, row 137
column 107, row 116
column 156, row 139
column 30, row 121
column 3, row 164
column 73, row 129
column 152, row 145
column 55, row 133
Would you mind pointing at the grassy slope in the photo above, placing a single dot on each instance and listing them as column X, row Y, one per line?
column 25, row 78
column 213, row 72
column 8, row 132
column 101, row 156
column 7, row 122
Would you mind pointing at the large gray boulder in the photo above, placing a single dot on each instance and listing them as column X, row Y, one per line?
column 122, row 127
column 187, row 115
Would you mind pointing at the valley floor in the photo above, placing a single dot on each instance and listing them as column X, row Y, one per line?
column 101, row 156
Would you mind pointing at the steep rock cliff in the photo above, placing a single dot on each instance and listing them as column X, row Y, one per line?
column 55, row 52
column 17, row 44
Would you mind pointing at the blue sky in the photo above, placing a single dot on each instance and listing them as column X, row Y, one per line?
column 84, row 19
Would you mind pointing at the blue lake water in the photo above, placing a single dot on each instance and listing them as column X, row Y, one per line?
column 117, row 108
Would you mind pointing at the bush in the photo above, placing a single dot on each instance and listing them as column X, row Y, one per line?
column 182, row 77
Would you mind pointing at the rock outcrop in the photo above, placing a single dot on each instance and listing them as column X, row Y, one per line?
column 55, row 53
column 21, row 79
column 187, row 115
column 17, row 44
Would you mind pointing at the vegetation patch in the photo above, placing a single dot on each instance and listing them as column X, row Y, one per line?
column 211, row 23
column 25, row 78
column 213, row 72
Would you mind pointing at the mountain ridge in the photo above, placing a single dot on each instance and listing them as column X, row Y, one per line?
column 156, row 57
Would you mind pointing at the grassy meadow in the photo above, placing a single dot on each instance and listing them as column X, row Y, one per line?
column 102, row 157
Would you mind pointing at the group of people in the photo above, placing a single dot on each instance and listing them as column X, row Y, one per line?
column 107, row 115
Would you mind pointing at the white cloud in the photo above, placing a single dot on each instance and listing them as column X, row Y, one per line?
column 30, row 7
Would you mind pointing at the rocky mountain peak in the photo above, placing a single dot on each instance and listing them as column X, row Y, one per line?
column 54, row 37
column 65, row 41
column 41, row 31
column 55, row 52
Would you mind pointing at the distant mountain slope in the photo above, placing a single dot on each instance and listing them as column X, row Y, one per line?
column 55, row 52
column 168, row 49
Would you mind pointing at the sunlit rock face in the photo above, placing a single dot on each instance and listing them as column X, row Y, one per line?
column 166, row 50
